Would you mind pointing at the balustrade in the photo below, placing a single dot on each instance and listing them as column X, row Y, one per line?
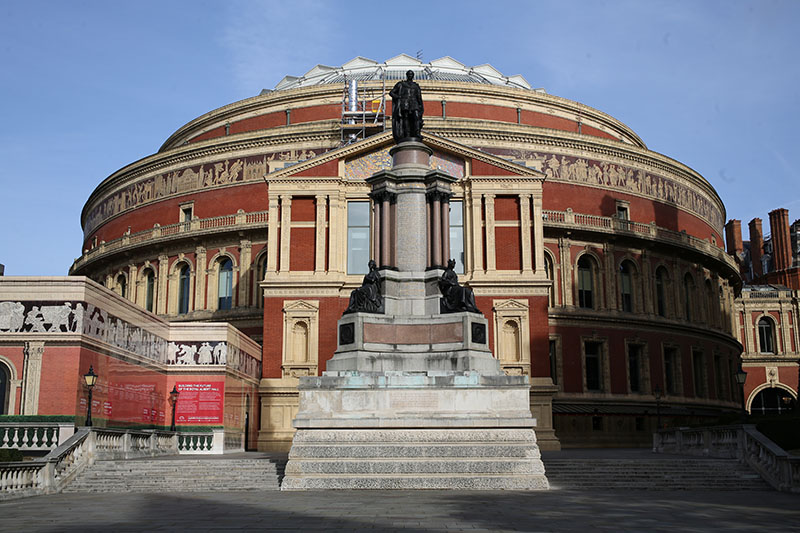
column 744, row 443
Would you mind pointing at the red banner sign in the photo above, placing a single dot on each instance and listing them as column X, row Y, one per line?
column 199, row 403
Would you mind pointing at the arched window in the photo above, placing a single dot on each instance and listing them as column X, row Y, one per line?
column 150, row 289
column 225, row 283
column 766, row 335
column 122, row 286
column 586, row 282
column 548, row 268
column 5, row 382
column 661, row 291
column 773, row 401
column 184, row 286
column 688, row 296
column 626, row 286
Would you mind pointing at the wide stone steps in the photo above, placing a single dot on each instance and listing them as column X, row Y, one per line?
column 656, row 474
column 456, row 459
column 185, row 475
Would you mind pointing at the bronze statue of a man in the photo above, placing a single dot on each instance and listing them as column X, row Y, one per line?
column 407, row 109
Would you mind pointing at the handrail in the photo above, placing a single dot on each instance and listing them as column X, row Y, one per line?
column 58, row 468
column 742, row 442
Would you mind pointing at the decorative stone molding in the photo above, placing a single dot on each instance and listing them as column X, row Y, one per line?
column 512, row 336
column 300, row 338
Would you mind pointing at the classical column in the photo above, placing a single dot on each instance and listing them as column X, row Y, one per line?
column 393, row 229
column 335, row 233
column 566, row 270
column 538, row 232
column 435, row 232
column 32, row 375
column 446, row 228
column 377, row 234
column 386, row 234
column 286, row 231
column 201, row 266
column 429, row 240
column 491, row 258
column 245, row 267
column 319, row 254
column 525, row 229
column 473, row 240
column 163, row 275
column 272, row 234
column 131, row 283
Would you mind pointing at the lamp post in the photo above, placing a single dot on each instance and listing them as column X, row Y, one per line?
column 173, row 400
column 657, row 393
column 90, row 378
column 741, row 377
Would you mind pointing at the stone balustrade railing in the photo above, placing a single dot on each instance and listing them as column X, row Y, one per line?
column 240, row 220
column 571, row 219
column 54, row 471
column 34, row 436
column 742, row 442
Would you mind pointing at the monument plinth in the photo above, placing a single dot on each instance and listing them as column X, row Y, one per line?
column 413, row 397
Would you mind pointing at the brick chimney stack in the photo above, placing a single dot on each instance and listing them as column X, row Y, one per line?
column 781, row 242
column 733, row 237
column 756, row 246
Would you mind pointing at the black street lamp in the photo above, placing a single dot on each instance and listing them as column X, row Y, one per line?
column 173, row 401
column 741, row 376
column 90, row 378
column 658, row 393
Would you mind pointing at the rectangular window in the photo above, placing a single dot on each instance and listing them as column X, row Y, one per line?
column 358, row 214
column 597, row 423
column 186, row 212
column 457, row 235
column 553, row 369
column 671, row 370
column 699, row 371
column 593, row 354
column 634, row 367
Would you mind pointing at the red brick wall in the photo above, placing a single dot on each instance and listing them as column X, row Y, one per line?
column 301, row 256
column 508, row 248
column 303, row 209
column 273, row 337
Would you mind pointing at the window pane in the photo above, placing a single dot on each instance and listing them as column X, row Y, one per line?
column 457, row 235
column 593, row 377
column 225, row 284
column 633, row 368
column 357, row 237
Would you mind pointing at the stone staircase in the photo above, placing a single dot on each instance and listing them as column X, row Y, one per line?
column 658, row 472
column 181, row 474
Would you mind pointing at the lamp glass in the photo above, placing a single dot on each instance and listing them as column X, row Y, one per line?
column 90, row 377
column 741, row 376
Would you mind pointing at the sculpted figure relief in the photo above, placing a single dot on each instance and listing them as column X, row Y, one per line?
column 367, row 297
column 407, row 109
column 455, row 298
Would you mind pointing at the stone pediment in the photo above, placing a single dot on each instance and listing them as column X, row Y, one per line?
column 510, row 305
column 301, row 305
column 453, row 155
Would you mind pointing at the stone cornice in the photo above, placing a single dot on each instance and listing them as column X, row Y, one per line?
column 326, row 94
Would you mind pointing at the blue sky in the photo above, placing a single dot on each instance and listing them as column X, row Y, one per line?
column 87, row 87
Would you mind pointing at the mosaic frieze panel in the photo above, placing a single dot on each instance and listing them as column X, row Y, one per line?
column 186, row 180
column 213, row 353
column 80, row 317
column 366, row 165
column 618, row 177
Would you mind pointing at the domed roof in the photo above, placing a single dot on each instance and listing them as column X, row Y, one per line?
column 363, row 69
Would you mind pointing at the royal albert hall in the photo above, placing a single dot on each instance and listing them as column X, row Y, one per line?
column 598, row 263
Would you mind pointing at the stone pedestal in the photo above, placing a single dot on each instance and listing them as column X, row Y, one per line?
column 413, row 399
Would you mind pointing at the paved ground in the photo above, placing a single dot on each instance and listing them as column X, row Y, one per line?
column 408, row 511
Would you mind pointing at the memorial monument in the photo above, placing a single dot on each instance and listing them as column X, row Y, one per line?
column 413, row 398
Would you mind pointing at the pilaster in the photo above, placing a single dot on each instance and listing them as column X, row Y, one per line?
column 491, row 258
column 163, row 275
column 200, row 279
column 475, row 228
column 131, row 283
column 566, row 270
column 286, row 231
column 525, row 229
column 319, row 253
column 272, row 234
column 31, row 378
column 245, row 267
